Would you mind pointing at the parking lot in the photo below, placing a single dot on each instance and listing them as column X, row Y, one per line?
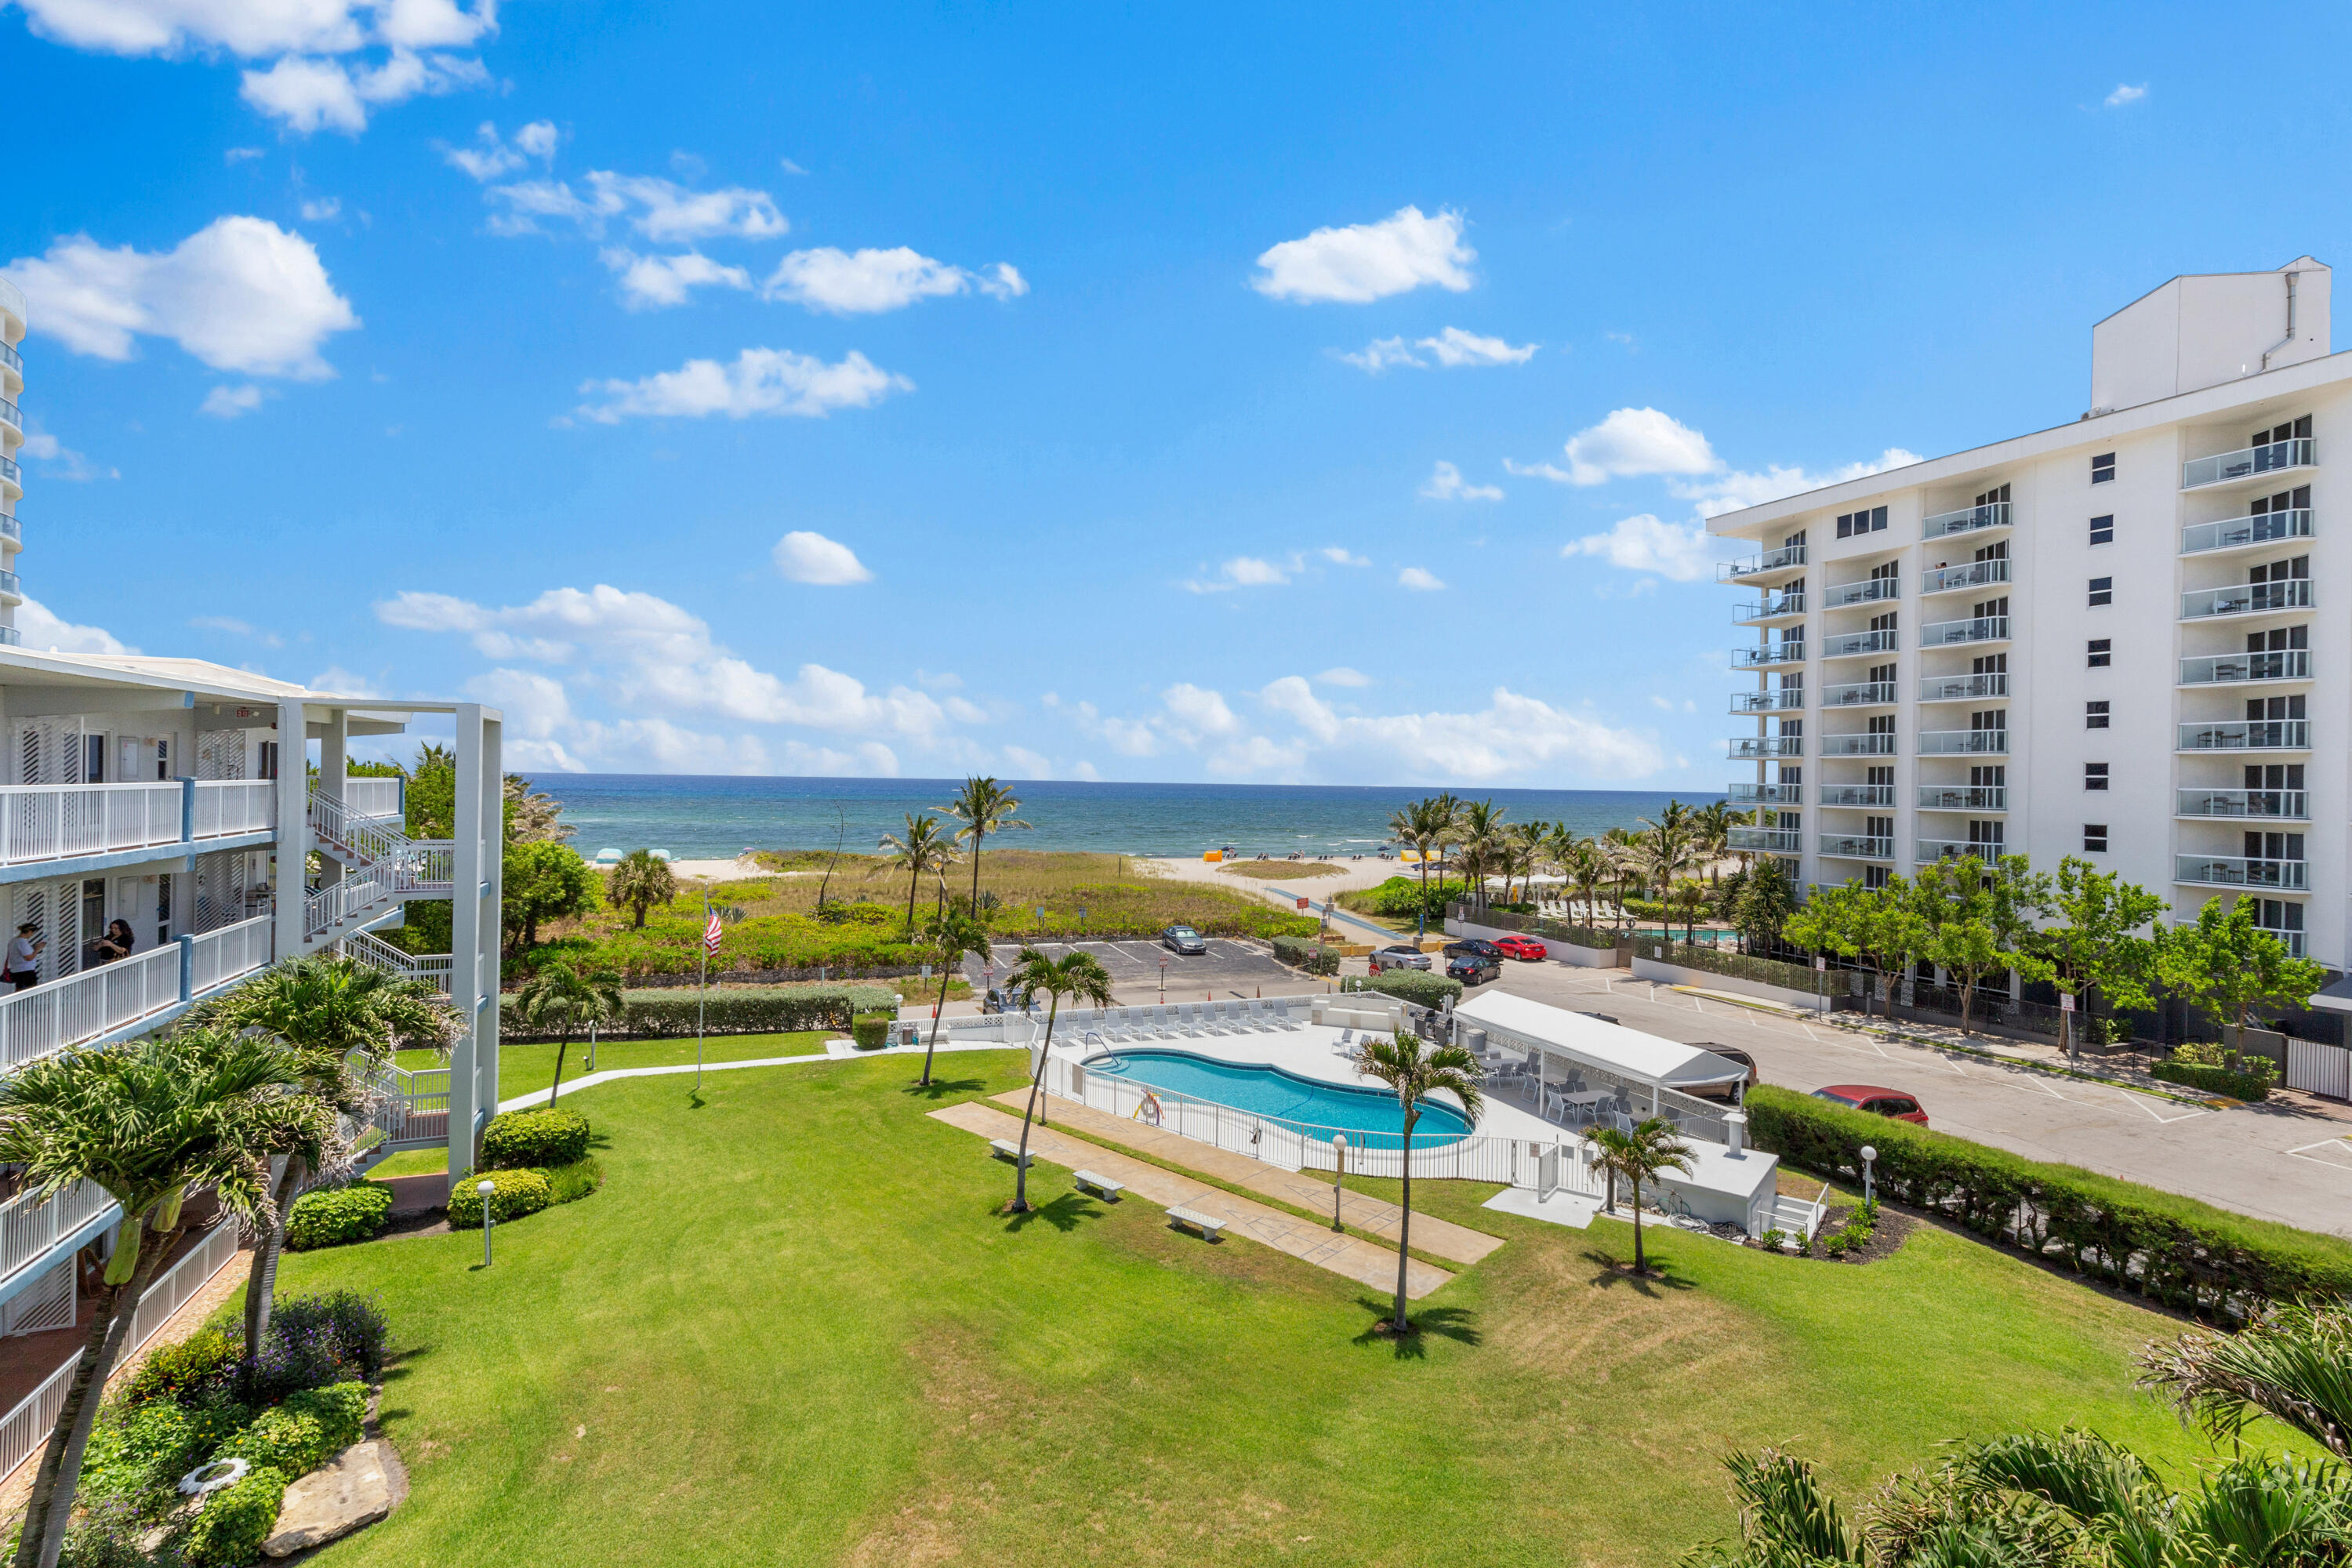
column 1140, row 968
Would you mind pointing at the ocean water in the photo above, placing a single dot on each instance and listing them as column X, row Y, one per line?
column 702, row 817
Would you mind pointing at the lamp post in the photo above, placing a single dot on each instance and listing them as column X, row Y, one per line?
column 1869, row 1193
column 486, row 1189
column 1338, row 1172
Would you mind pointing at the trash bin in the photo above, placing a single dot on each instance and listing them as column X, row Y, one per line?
column 1475, row 1041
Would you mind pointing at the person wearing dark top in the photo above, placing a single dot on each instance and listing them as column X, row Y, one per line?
column 117, row 942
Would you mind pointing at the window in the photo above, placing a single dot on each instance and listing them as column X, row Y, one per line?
column 2103, row 529
column 2094, row 715
column 2102, row 653
column 1876, row 876
column 2095, row 776
column 93, row 762
column 2103, row 469
column 2103, row 591
column 1871, row 519
column 2095, row 839
column 268, row 760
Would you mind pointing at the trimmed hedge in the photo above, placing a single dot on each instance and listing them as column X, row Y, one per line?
column 2186, row 1255
column 668, row 1012
column 236, row 1520
column 282, row 1438
column 532, row 1140
column 1740, row 966
column 517, row 1194
column 203, row 1360
column 871, row 1031
column 1301, row 952
column 333, row 1215
column 2214, row 1081
column 339, row 1409
column 1417, row 986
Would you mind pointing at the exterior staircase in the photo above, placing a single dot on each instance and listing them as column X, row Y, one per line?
column 432, row 968
column 382, row 866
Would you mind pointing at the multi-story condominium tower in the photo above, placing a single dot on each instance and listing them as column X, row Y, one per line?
column 2114, row 639
column 12, row 442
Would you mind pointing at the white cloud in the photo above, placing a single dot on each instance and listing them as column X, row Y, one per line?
column 1249, row 572
column 651, row 282
column 1421, row 580
column 661, row 210
column 324, row 211
column 1340, row 675
column 1257, row 571
column 1446, row 483
column 1645, row 543
column 868, row 281
column 1637, row 441
column 241, row 294
column 1381, row 354
column 235, row 155
column 326, row 94
column 1337, row 555
column 1196, row 711
column 1085, row 772
column 232, row 402
column 1367, row 261
column 2125, row 94
column 43, row 632
column 1293, row 696
column 42, row 447
column 343, row 683
column 1731, row 492
column 812, row 558
column 761, row 381
column 1453, row 347
column 1552, row 472
column 234, row 627
column 495, row 159
column 1021, row 763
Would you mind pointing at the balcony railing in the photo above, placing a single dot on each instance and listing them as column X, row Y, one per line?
column 1963, row 797
column 1767, row 701
column 2278, row 805
column 1967, row 519
column 2224, row 668
column 1972, row 574
column 10, row 637
column 2237, row 532
column 1848, row 643
column 1857, row 745
column 9, row 415
column 1858, row 794
column 1933, row 850
column 2246, row 599
column 1963, row 742
column 9, row 528
column 1768, row 793
column 1792, row 603
column 1857, row 847
column 2239, row 871
column 116, row 996
column 1868, row 590
column 10, row 588
column 1979, row 628
column 1776, row 840
column 1768, row 654
column 11, row 359
column 2247, row 735
column 1962, row 688
column 60, row 822
column 9, row 472
column 2248, row 461
column 1754, row 748
column 1779, row 560
column 1859, row 694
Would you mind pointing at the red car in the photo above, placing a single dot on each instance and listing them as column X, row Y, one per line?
column 1523, row 947
column 1888, row 1102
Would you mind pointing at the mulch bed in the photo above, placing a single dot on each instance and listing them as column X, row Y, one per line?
column 1893, row 1229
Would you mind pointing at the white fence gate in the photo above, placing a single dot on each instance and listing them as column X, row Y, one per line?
column 2321, row 1069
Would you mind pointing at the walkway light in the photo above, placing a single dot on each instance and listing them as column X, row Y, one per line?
column 1868, row 1154
column 486, row 1188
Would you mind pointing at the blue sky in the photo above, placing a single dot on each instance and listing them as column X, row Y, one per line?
column 1321, row 397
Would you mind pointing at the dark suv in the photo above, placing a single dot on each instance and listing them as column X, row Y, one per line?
column 1486, row 950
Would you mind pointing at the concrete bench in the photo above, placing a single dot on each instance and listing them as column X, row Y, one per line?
column 1102, row 1184
column 1209, row 1226
column 1010, row 1151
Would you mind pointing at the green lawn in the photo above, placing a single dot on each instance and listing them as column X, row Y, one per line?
column 793, row 1329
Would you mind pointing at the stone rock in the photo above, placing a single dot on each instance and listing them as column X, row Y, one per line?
column 339, row 1496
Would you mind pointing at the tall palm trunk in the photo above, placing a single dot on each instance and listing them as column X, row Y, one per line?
column 1037, row 1087
column 1404, row 1220
column 931, row 1048
column 261, row 1274
column 1640, row 1268
column 914, row 878
column 562, row 1044
column 978, row 840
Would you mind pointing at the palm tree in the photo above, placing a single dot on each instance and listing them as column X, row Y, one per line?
column 926, row 848
column 952, row 935
column 1712, row 832
column 1559, row 850
column 2292, row 1363
column 340, row 1018
column 560, row 998
column 1686, row 898
column 1522, row 844
column 1586, row 867
column 1624, row 852
column 1423, row 827
column 983, row 807
column 1639, row 1156
column 1415, row 1072
column 146, row 1123
column 1075, row 974
column 1480, row 828
column 640, row 882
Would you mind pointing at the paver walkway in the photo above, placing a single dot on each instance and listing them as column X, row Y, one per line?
column 1299, row 1189
column 1365, row 1262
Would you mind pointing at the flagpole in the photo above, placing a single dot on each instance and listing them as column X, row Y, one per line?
column 702, row 992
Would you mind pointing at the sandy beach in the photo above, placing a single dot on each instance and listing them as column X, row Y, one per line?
column 1368, row 872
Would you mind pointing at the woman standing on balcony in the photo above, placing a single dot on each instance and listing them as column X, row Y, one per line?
column 24, row 963
column 115, row 944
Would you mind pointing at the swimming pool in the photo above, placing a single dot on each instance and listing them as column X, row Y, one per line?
column 1269, row 1091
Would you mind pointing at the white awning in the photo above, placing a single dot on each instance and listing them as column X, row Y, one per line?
column 1648, row 1059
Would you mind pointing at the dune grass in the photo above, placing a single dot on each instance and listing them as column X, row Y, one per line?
column 1282, row 871
column 794, row 1328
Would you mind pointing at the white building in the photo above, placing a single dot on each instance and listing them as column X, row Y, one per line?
column 12, row 442
column 2105, row 639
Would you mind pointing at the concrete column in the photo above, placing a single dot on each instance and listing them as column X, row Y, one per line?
column 466, row 940
column 293, row 827
column 492, row 928
column 334, row 746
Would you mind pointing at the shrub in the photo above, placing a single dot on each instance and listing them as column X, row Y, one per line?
column 282, row 1438
column 871, row 1030
column 1764, row 971
column 1770, row 1240
column 105, row 1534
column 332, row 1216
column 1300, row 953
column 533, row 1139
column 203, row 1361
column 663, row 1015
column 1400, row 898
column 2186, row 1255
column 2202, row 1065
column 339, row 1409
column 1417, row 986
column 567, row 1183
column 138, row 1451
column 351, row 1326
column 517, row 1194
column 236, row 1520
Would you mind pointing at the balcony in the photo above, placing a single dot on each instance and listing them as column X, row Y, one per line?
column 1859, row 694
column 2264, row 804
column 1768, row 656
column 1858, row 794
column 1972, row 574
column 1869, row 591
column 2239, row 668
column 1967, row 519
column 10, row 472
column 11, row 360
column 1757, row 748
column 1857, row 847
column 1767, row 701
column 2247, row 735
column 2238, row 872
column 1768, row 794
column 9, row 529
column 10, row 589
column 1931, row 850
column 11, row 417
column 2245, row 599
column 2248, row 462
column 1963, row 687
column 71, row 822
column 1963, row 797
column 2244, row 532
column 1773, row 606
column 1780, row 560
column 10, row 637
column 1845, row 645
column 1964, row 742
column 1773, row 840
column 1857, row 745
column 1980, row 628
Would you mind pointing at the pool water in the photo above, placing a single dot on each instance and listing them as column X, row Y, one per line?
column 1269, row 1091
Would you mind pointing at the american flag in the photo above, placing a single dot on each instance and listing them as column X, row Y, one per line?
column 710, row 937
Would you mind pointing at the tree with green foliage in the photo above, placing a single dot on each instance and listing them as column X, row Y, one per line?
column 1076, row 973
column 1477, row 835
column 1423, row 827
column 1653, row 1148
column 926, row 849
column 983, row 806
column 1980, row 920
column 638, row 882
column 954, row 936
column 1686, row 898
column 2292, row 1362
column 1414, row 1071
column 1834, row 919
column 561, row 998
column 2096, row 944
column 2225, row 964
column 543, row 881
column 1586, row 867
column 1764, row 904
